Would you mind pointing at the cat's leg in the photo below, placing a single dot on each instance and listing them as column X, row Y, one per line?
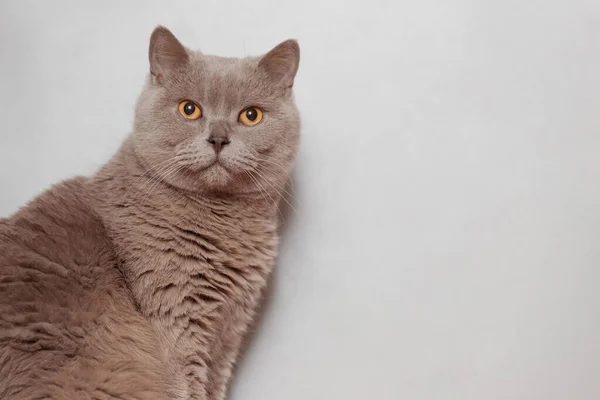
column 183, row 345
column 221, row 368
column 196, row 370
column 226, row 348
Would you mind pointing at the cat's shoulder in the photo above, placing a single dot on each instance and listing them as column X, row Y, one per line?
column 65, row 202
column 58, row 224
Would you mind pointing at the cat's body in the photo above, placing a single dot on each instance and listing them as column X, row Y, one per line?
column 141, row 282
column 69, row 328
column 196, row 266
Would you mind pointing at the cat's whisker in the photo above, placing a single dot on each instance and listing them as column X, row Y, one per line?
column 278, row 192
column 263, row 191
column 264, row 176
column 249, row 163
column 282, row 169
column 151, row 179
column 143, row 175
column 168, row 172
column 271, row 162
column 260, row 190
column 150, row 185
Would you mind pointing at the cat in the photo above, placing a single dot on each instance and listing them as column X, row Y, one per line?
column 141, row 281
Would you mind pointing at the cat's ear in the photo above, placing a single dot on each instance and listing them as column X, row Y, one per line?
column 166, row 54
column 281, row 63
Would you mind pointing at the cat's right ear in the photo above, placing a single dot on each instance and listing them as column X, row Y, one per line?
column 281, row 63
column 166, row 54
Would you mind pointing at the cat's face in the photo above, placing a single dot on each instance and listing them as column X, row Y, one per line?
column 217, row 125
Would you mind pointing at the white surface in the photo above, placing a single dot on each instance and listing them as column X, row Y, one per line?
column 447, row 238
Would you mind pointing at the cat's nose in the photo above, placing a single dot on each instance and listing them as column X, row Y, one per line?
column 218, row 140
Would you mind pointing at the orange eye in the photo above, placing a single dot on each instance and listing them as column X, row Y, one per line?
column 189, row 109
column 251, row 116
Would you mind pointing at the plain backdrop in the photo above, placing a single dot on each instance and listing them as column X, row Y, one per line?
column 446, row 239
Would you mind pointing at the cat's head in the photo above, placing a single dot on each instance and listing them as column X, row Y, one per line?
column 218, row 125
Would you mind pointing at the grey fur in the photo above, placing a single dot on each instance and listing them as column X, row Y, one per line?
column 141, row 281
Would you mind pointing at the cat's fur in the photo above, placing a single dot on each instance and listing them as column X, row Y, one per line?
column 141, row 282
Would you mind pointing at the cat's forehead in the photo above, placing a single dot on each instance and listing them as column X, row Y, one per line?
column 224, row 81
column 217, row 65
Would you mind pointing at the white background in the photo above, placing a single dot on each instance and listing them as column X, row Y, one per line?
column 446, row 240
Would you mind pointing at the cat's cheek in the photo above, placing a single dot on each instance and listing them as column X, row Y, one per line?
column 264, row 141
column 171, row 135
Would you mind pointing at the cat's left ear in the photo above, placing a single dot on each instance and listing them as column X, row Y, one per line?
column 166, row 54
column 281, row 63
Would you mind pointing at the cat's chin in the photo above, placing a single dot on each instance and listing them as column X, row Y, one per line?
column 215, row 178
column 216, row 174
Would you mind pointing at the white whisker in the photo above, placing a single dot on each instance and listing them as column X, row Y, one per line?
column 274, row 188
column 262, row 190
column 282, row 169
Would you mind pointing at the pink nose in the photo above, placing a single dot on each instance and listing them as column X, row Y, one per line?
column 218, row 140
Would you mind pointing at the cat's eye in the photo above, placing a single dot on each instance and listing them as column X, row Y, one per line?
column 189, row 109
column 251, row 116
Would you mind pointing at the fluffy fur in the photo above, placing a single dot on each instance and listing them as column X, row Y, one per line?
column 141, row 281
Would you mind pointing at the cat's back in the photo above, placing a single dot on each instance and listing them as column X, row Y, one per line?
column 68, row 326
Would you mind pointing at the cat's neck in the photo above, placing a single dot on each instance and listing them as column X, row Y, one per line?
column 132, row 202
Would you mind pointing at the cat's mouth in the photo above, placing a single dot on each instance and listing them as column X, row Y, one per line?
column 216, row 166
column 219, row 165
column 216, row 172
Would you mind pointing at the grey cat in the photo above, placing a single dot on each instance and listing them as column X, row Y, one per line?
column 141, row 281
